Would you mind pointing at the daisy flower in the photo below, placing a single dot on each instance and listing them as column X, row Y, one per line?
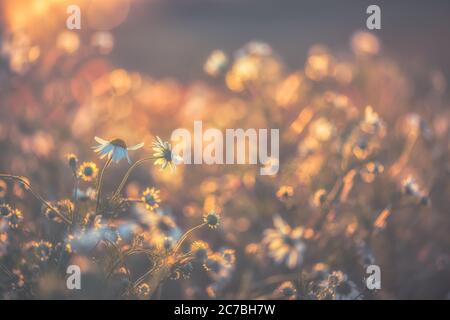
column 285, row 192
column 5, row 210
column 150, row 197
column 88, row 171
column 164, row 155
column 115, row 150
column 285, row 244
column 143, row 291
column 286, row 290
column 212, row 219
column 15, row 219
column 338, row 287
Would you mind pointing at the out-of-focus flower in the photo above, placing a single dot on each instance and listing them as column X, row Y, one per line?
column 372, row 123
column 229, row 255
column 84, row 195
column 289, row 91
column 3, row 188
column 68, row 41
column 200, row 250
column 319, row 63
column 115, row 150
column 362, row 148
column 20, row 51
column 219, row 270
column 18, row 279
column 321, row 129
column 319, row 271
column 257, row 48
column 319, row 198
column 5, row 210
column 365, row 44
column 216, row 63
column 65, row 207
column 214, row 262
column 72, row 161
column 337, row 287
column 103, row 41
column 168, row 243
column 42, row 250
column 164, row 154
column 143, row 290
column 286, row 290
column 163, row 232
column 410, row 186
column 212, row 219
column 150, row 197
column 371, row 170
column 284, row 243
column 285, row 192
column 15, row 219
column 88, row 171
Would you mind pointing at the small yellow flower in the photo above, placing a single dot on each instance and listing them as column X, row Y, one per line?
column 88, row 171
column 143, row 291
column 212, row 219
column 199, row 244
column 150, row 197
column 285, row 192
column 15, row 219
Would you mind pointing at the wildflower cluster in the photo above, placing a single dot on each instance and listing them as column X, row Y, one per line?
column 86, row 181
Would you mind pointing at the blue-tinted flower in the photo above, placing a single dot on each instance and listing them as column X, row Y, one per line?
column 285, row 244
column 115, row 150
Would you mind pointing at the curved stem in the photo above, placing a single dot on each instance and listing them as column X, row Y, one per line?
column 183, row 238
column 100, row 183
column 127, row 174
column 36, row 195
column 75, row 200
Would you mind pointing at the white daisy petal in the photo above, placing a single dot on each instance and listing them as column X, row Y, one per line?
column 101, row 141
column 135, row 147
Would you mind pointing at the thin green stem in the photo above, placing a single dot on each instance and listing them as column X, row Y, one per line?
column 36, row 195
column 100, row 183
column 127, row 174
column 75, row 200
column 184, row 237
